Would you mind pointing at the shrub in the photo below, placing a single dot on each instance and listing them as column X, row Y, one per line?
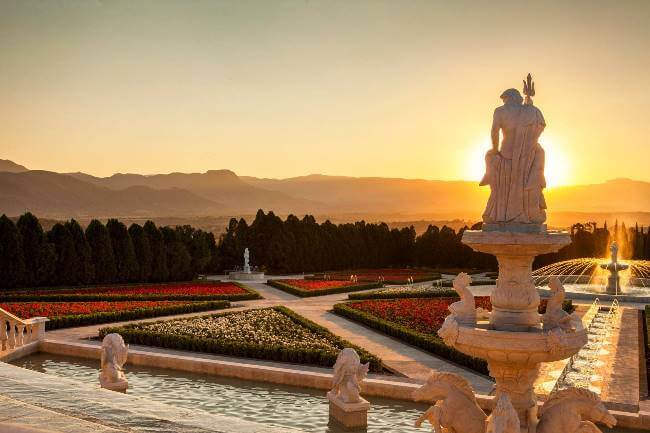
column 303, row 293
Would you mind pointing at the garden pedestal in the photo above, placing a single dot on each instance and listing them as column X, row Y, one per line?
column 349, row 415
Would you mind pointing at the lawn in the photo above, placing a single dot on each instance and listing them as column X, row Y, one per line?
column 306, row 288
column 70, row 314
column 186, row 291
column 276, row 334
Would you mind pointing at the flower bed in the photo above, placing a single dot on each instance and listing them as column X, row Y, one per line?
column 276, row 334
column 70, row 314
column 305, row 288
column 389, row 275
column 404, row 292
column 189, row 291
column 417, row 321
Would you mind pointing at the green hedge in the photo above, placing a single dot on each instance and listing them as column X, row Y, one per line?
column 141, row 313
column 133, row 334
column 416, row 279
column 407, row 293
column 53, row 297
column 297, row 291
column 647, row 334
column 429, row 342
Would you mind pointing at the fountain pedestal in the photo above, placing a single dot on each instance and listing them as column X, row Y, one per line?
column 513, row 342
column 349, row 415
column 515, row 299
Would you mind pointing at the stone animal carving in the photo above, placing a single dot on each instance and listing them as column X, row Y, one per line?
column 573, row 410
column 504, row 418
column 348, row 375
column 465, row 309
column 455, row 409
column 114, row 354
column 555, row 316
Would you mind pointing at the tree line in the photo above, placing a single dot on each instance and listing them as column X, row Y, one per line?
column 112, row 253
column 101, row 254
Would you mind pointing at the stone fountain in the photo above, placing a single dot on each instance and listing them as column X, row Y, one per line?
column 247, row 274
column 514, row 338
column 613, row 281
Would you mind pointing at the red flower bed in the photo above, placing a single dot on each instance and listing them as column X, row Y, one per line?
column 389, row 274
column 318, row 284
column 185, row 289
column 25, row 310
column 419, row 314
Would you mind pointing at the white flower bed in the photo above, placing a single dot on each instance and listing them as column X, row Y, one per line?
column 264, row 327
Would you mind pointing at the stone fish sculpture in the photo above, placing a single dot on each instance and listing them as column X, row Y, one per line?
column 504, row 418
column 555, row 316
column 114, row 354
column 348, row 375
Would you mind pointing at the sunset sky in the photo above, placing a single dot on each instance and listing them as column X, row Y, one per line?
column 288, row 88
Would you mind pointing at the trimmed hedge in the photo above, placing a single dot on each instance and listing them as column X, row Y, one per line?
column 408, row 293
column 141, row 313
column 79, row 297
column 416, row 279
column 297, row 291
column 429, row 342
column 133, row 334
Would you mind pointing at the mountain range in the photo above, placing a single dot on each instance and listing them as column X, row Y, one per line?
column 223, row 193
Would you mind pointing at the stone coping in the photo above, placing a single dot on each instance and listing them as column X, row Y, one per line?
column 285, row 374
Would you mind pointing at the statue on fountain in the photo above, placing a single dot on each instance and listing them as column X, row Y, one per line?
column 455, row 409
column 465, row 311
column 349, row 372
column 515, row 169
column 114, row 354
column 504, row 418
column 555, row 317
column 565, row 410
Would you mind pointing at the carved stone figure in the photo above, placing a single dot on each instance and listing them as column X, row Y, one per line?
column 574, row 410
column 555, row 316
column 465, row 309
column 504, row 418
column 114, row 354
column 455, row 408
column 348, row 375
column 515, row 169
column 247, row 266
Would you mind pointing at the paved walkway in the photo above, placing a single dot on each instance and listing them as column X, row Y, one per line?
column 398, row 356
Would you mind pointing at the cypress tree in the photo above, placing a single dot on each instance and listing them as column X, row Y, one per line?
column 12, row 265
column 159, row 270
column 67, row 263
column 126, row 265
column 38, row 255
column 85, row 271
column 142, row 249
column 178, row 257
column 102, row 252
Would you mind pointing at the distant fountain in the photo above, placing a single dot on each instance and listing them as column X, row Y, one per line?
column 613, row 281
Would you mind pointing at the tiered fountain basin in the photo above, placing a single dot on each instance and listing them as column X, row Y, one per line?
column 524, row 349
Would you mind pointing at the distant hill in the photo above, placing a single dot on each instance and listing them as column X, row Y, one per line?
column 12, row 167
column 51, row 194
column 221, row 193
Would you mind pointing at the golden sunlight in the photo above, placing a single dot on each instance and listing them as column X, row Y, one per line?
column 556, row 168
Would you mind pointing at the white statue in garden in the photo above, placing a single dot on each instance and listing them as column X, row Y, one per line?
column 114, row 354
column 348, row 375
column 247, row 256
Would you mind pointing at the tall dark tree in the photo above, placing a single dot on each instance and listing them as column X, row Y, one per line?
column 102, row 252
column 12, row 265
column 159, row 270
column 39, row 255
column 85, row 271
column 142, row 250
column 178, row 257
column 67, row 264
column 126, row 265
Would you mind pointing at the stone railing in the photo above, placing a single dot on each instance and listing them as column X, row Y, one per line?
column 16, row 332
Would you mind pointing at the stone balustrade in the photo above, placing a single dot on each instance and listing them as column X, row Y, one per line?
column 16, row 332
